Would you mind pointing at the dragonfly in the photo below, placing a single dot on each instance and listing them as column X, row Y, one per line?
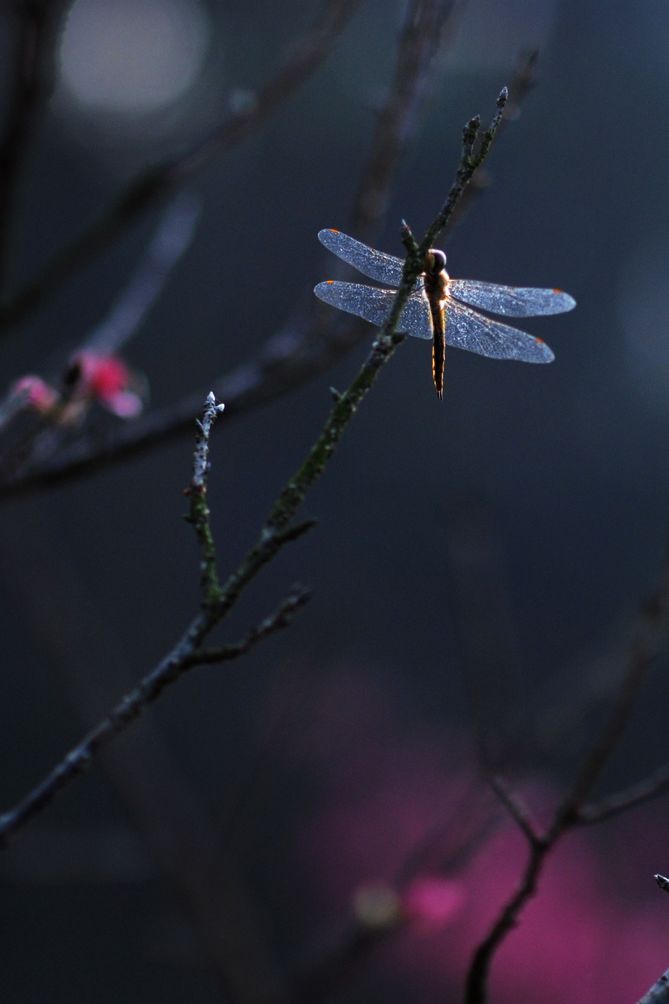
column 440, row 308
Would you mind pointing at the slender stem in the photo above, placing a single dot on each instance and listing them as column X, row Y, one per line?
column 277, row 530
column 199, row 506
column 477, row 977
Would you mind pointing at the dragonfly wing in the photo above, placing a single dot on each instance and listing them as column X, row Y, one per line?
column 465, row 329
column 374, row 305
column 375, row 264
column 511, row 301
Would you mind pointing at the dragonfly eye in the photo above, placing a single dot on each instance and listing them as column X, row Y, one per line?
column 435, row 261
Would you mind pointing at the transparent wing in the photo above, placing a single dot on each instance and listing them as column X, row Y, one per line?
column 374, row 305
column 375, row 264
column 512, row 301
column 465, row 329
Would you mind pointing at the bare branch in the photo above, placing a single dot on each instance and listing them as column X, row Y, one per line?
column 649, row 632
column 476, row 147
column 171, row 240
column 517, row 809
column 277, row 530
column 159, row 181
column 522, row 82
column 199, row 508
column 659, row 992
column 276, row 621
column 628, row 798
column 477, row 977
column 292, row 355
column 570, row 812
column 426, row 28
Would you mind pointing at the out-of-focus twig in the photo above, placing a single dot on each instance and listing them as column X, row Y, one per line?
column 572, row 810
column 171, row 240
column 306, row 53
column 292, row 355
column 40, row 437
column 37, row 24
column 161, row 803
column 427, row 25
column 214, row 604
column 643, row 791
column 659, row 992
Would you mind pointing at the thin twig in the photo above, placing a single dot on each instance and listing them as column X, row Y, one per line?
column 277, row 530
column 199, row 516
column 292, row 355
column 477, row 977
column 570, row 812
column 476, row 148
column 659, row 992
column 517, row 809
column 523, row 81
column 426, row 27
column 155, row 427
column 628, row 798
column 159, row 181
column 645, row 647
column 180, row 659
column 171, row 240
column 276, row 621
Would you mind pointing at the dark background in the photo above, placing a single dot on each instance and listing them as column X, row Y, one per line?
column 539, row 493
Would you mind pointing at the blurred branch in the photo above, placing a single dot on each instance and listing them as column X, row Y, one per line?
column 571, row 811
column 470, row 821
column 206, row 882
column 37, row 23
column 278, row 528
column 43, row 437
column 306, row 53
column 648, row 636
column 171, row 240
column 292, row 355
column 659, row 992
column 181, row 658
column 628, row 798
column 516, row 807
column 426, row 28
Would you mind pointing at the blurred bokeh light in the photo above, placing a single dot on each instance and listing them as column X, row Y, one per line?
column 132, row 57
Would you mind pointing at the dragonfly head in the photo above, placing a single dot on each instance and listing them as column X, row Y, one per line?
column 435, row 261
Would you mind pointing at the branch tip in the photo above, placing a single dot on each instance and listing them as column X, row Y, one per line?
column 662, row 881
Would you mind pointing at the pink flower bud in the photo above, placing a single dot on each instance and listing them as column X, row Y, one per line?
column 36, row 393
column 108, row 380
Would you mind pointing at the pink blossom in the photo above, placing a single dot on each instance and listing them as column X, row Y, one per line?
column 596, row 929
column 35, row 393
column 108, row 380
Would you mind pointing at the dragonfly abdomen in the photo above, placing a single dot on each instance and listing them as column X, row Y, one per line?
column 435, row 289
